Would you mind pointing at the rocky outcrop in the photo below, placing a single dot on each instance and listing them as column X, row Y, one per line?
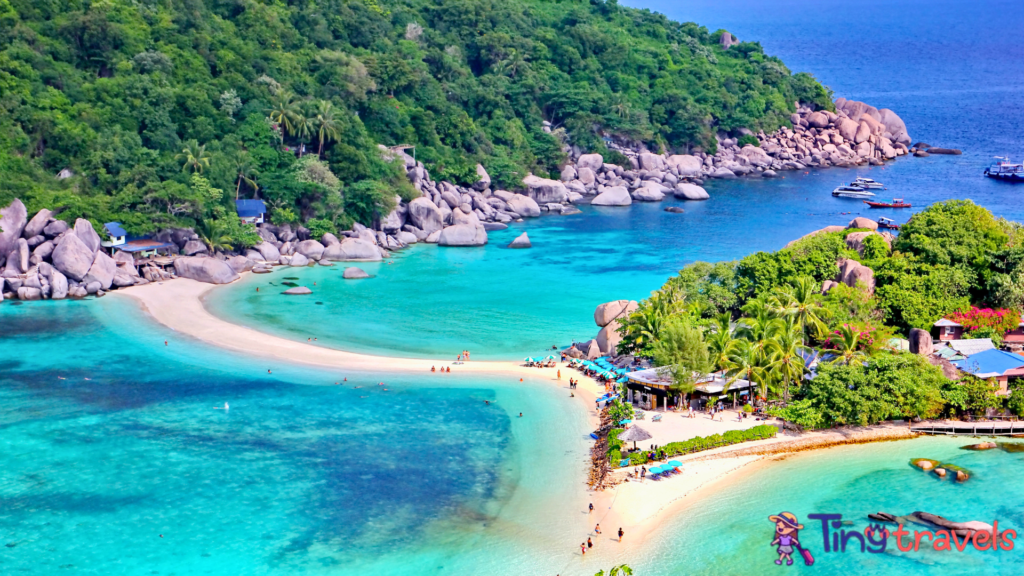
column 354, row 273
column 862, row 222
column 87, row 234
column 824, row 230
column 425, row 215
column 606, row 313
column 855, row 240
column 12, row 224
column 524, row 206
column 650, row 193
column 298, row 291
column 463, row 235
column 209, row 270
column 38, row 222
column 686, row 191
column 102, row 270
column 353, row 249
column 544, row 191
column 72, row 257
column 521, row 241
column 613, row 196
column 853, row 273
column 311, row 249
column 921, row 342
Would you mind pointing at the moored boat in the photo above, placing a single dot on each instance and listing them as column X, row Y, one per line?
column 888, row 223
column 868, row 183
column 1005, row 170
column 896, row 203
column 852, row 192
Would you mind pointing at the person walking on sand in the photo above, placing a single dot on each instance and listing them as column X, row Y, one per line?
column 559, row 374
column 597, row 528
column 620, row 534
column 583, row 548
column 589, row 543
column 591, row 506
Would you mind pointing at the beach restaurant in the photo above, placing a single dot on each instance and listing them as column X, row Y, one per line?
column 651, row 389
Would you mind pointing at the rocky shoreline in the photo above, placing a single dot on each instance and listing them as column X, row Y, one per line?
column 48, row 259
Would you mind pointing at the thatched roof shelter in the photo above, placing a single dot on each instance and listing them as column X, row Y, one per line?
column 634, row 435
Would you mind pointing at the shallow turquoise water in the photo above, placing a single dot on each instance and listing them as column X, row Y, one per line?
column 115, row 461
column 729, row 532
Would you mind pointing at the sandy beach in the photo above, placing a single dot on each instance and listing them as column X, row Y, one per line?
column 637, row 507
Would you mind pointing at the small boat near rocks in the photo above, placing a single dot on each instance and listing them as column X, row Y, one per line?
column 888, row 223
column 852, row 192
column 1005, row 170
column 896, row 203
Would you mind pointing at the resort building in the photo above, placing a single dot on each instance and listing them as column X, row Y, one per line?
column 949, row 330
column 251, row 211
column 651, row 389
column 1014, row 339
column 993, row 363
column 116, row 236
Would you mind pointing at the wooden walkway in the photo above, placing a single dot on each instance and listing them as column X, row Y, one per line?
column 1010, row 428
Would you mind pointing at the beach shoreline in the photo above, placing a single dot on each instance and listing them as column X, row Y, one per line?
column 639, row 508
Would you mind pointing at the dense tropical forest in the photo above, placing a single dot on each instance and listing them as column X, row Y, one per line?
column 160, row 112
column 754, row 317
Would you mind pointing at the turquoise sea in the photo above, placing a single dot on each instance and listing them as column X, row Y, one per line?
column 114, row 460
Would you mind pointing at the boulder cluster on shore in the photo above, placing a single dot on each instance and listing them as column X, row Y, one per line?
column 47, row 258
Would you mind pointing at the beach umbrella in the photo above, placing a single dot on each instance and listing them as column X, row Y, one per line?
column 634, row 435
column 675, row 463
column 654, row 470
column 552, row 357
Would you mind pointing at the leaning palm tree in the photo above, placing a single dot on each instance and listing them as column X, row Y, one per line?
column 325, row 124
column 760, row 325
column 847, row 342
column 193, row 156
column 212, row 234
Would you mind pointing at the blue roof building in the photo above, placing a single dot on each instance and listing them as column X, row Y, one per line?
column 251, row 211
column 116, row 235
column 994, row 363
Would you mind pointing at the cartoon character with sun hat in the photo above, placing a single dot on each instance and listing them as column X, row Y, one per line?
column 787, row 530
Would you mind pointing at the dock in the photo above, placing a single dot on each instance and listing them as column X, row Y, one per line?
column 1009, row 428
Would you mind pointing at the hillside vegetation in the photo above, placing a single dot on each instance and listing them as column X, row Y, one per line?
column 164, row 110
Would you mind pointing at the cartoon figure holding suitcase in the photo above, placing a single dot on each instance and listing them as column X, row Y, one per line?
column 787, row 531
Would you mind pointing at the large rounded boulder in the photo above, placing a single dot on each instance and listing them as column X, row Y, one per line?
column 463, row 235
column 12, row 224
column 209, row 270
column 524, row 206
column 613, row 196
column 545, row 191
column 310, row 249
column 87, row 234
column 686, row 191
column 605, row 313
column 72, row 257
column 353, row 249
column 425, row 215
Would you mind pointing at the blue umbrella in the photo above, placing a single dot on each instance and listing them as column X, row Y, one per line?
column 654, row 470
column 624, row 422
column 675, row 463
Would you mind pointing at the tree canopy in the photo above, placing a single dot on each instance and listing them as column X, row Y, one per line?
column 134, row 96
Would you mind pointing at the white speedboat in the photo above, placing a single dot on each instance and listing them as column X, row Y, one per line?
column 852, row 192
column 867, row 183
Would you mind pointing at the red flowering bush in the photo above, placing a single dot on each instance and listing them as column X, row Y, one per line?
column 1000, row 320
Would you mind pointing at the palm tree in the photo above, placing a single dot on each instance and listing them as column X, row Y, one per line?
column 211, row 233
column 720, row 340
column 801, row 303
column 284, row 111
column 786, row 363
column 514, row 63
column 303, row 129
column 760, row 325
column 848, row 345
column 325, row 124
column 193, row 156
column 246, row 172
column 746, row 361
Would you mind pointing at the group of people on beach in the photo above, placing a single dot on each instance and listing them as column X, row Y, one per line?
column 597, row 531
column 444, row 369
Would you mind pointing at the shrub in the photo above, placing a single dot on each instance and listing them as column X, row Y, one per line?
column 748, row 139
column 999, row 320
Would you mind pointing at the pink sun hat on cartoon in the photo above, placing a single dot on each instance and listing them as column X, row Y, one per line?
column 787, row 518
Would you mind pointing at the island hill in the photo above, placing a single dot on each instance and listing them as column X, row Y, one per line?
column 46, row 258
